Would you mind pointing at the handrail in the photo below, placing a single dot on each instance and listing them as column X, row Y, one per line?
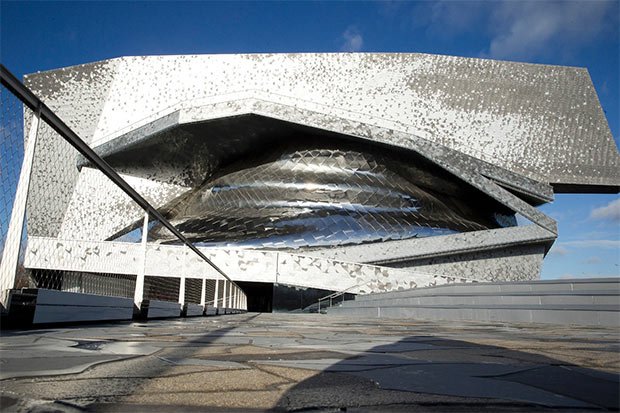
column 223, row 299
column 334, row 294
column 33, row 102
column 341, row 292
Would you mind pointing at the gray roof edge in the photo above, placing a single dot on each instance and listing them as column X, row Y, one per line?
column 469, row 58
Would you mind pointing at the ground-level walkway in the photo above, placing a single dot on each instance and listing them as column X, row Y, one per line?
column 309, row 362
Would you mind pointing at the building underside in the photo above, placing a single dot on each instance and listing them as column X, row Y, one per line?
column 318, row 173
column 327, row 192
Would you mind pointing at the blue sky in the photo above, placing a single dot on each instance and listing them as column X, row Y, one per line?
column 46, row 35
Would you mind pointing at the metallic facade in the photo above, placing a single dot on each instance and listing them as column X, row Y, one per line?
column 413, row 168
column 330, row 194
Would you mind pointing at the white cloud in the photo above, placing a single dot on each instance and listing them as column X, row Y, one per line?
column 456, row 16
column 353, row 40
column 569, row 276
column 445, row 18
column 594, row 260
column 527, row 29
column 610, row 212
column 519, row 30
column 558, row 250
column 592, row 243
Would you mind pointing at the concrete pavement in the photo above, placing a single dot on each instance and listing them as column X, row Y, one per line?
column 288, row 362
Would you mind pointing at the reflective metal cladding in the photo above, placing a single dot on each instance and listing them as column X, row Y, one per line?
column 329, row 193
column 328, row 155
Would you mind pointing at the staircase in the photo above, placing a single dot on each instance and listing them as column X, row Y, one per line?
column 594, row 301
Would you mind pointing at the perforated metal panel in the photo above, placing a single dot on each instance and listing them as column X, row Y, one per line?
column 161, row 288
column 193, row 289
column 210, row 292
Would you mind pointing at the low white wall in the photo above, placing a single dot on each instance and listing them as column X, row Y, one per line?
column 61, row 306
column 238, row 264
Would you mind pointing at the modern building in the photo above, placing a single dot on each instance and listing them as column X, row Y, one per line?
column 300, row 174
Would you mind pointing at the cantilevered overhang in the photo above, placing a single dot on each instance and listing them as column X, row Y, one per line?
column 541, row 122
column 250, row 124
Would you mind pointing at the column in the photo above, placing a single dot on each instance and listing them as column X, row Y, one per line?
column 203, row 292
column 10, row 255
column 224, row 294
column 138, row 294
column 182, row 290
column 215, row 299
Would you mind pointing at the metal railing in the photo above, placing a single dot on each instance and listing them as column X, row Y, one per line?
column 59, row 222
column 337, row 294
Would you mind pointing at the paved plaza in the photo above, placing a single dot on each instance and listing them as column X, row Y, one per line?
column 301, row 362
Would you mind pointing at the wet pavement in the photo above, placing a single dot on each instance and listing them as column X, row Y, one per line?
column 289, row 362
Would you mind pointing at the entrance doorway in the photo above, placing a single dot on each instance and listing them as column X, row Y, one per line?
column 260, row 296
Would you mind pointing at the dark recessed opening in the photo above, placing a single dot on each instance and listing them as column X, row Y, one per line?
column 260, row 296
column 296, row 299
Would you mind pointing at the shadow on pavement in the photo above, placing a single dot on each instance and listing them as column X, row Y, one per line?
column 450, row 375
column 238, row 363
